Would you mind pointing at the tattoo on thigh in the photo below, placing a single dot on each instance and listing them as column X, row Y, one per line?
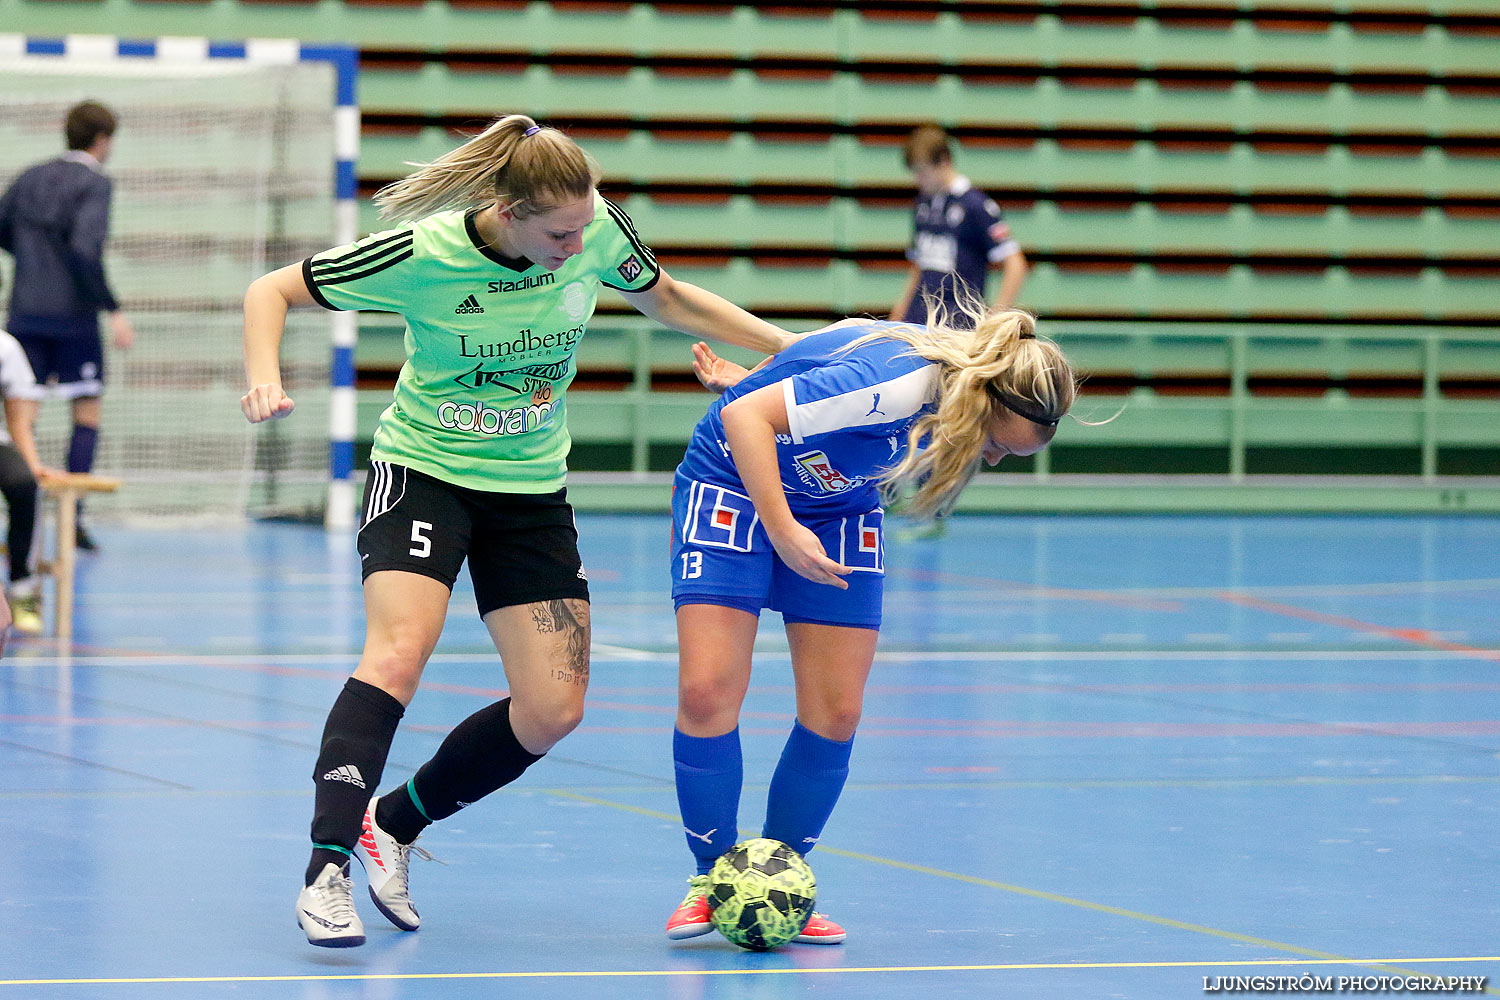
column 571, row 619
column 547, row 616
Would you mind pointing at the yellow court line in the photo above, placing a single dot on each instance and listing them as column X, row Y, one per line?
column 646, row 973
column 1021, row 890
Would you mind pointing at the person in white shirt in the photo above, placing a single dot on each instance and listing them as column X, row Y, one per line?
column 20, row 468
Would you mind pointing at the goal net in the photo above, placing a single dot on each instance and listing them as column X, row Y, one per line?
column 222, row 170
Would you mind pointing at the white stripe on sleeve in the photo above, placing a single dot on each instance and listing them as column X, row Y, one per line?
column 881, row 403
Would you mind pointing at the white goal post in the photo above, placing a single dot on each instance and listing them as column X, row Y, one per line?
column 230, row 159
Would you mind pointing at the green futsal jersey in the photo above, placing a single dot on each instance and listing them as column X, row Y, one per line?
column 489, row 341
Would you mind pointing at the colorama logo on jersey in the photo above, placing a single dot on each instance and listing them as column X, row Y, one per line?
column 469, row 305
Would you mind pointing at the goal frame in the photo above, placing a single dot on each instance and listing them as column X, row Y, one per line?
column 344, row 59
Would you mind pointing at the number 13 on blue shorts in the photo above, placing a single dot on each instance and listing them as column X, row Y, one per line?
column 721, row 555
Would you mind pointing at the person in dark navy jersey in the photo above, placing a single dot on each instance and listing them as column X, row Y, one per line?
column 777, row 504
column 958, row 235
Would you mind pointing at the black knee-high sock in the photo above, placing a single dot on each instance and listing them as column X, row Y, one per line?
column 356, row 739
column 481, row 755
column 20, row 498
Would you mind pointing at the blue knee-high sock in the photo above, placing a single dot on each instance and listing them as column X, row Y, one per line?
column 81, row 448
column 710, row 771
column 806, row 786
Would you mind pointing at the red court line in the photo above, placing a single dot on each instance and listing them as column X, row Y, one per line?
column 1415, row 636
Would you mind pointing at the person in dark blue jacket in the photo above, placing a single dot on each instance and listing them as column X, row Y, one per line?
column 777, row 505
column 54, row 220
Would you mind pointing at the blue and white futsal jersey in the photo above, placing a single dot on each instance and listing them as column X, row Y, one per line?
column 957, row 234
column 849, row 413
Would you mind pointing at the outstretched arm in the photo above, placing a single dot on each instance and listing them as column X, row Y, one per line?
column 266, row 303
column 700, row 313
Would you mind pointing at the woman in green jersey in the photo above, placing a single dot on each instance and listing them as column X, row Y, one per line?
column 496, row 281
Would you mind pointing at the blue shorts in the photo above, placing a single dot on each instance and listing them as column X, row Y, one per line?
column 721, row 555
column 66, row 353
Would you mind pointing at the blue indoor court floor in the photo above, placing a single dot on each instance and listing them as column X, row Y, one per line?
column 1101, row 757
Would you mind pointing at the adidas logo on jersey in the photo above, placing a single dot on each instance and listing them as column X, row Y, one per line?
column 347, row 773
column 469, row 305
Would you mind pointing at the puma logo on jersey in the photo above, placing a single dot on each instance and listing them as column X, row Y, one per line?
column 469, row 305
column 875, row 407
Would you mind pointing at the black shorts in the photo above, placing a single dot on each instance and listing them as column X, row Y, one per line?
column 521, row 547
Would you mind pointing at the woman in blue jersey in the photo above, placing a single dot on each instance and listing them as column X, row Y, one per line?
column 777, row 505
column 496, row 281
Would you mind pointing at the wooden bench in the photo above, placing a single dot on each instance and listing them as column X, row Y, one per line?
column 67, row 490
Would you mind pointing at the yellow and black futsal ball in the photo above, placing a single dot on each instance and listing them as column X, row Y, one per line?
column 761, row 894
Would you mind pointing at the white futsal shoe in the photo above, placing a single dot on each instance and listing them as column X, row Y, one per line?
column 325, row 910
column 386, row 861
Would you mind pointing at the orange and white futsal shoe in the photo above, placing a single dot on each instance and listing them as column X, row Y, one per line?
column 386, row 861
column 820, row 930
column 691, row 919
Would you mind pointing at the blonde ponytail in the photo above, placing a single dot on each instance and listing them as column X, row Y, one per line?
column 527, row 167
column 991, row 359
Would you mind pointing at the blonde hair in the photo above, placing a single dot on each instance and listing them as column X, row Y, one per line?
column 526, row 167
column 993, row 359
